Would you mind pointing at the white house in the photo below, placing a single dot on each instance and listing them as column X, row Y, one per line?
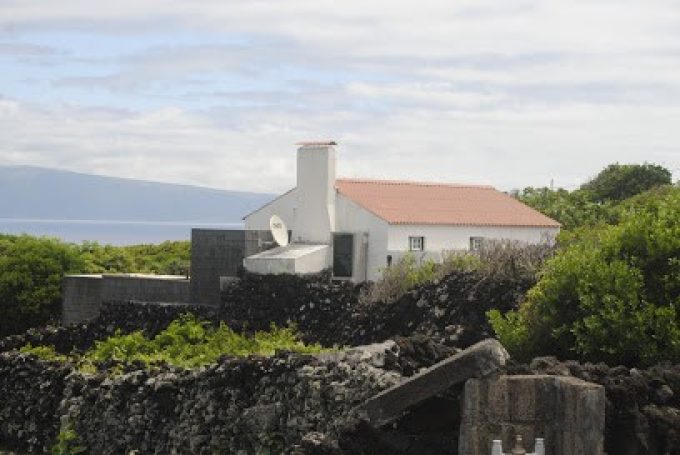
column 358, row 227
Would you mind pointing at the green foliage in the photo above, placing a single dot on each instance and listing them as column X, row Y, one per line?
column 43, row 352
column 612, row 293
column 497, row 259
column 403, row 275
column 572, row 209
column 67, row 442
column 598, row 201
column 189, row 343
column 620, row 181
column 31, row 271
column 167, row 258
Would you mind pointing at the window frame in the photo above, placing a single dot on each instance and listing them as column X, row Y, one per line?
column 415, row 240
column 476, row 243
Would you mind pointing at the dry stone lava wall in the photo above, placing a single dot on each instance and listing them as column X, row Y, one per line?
column 248, row 405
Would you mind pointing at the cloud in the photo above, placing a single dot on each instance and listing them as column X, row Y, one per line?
column 26, row 50
column 217, row 94
column 256, row 152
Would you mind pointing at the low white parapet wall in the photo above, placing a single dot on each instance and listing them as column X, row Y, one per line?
column 296, row 258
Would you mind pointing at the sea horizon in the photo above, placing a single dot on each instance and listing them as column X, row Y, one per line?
column 114, row 232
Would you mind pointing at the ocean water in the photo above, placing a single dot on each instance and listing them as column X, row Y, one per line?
column 109, row 231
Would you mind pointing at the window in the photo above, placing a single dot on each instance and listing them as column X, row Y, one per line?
column 343, row 255
column 416, row 243
column 389, row 260
column 476, row 243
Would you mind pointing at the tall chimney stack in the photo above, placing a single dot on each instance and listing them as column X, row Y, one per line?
column 315, row 212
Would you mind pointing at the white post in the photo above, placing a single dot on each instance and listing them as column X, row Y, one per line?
column 497, row 447
column 539, row 448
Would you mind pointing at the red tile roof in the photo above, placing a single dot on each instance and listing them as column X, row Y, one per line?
column 399, row 202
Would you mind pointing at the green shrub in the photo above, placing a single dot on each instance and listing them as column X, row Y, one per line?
column 611, row 294
column 32, row 268
column 403, row 275
column 31, row 272
column 67, row 442
column 43, row 352
column 189, row 342
column 167, row 258
column 572, row 209
column 497, row 259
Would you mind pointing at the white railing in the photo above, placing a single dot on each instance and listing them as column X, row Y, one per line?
column 539, row 447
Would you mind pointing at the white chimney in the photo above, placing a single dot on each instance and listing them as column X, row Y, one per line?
column 315, row 212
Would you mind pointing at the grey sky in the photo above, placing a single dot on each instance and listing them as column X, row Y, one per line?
column 216, row 93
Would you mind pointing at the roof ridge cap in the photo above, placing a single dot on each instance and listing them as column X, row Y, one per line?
column 415, row 183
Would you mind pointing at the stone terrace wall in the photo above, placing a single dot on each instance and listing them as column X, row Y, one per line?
column 31, row 395
column 451, row 312
column 150, row 317
column 250, row 405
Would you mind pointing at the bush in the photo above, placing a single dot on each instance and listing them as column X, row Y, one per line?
column 512, row 260
column 31, row 272
column 611, row 294
column 496, row 260
column 187, row 342
column 571, row 209
column 397, row 279
column 167, row 258
column 43, row 352
column 67, row 442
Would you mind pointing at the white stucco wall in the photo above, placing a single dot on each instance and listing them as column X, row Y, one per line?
column 292, row 259
column 441, row 238
column 352, row 218
column 315, row 217
column 283, row 206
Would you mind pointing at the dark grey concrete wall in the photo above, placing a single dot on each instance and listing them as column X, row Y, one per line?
column 567, row 412
column 219, row 253
column 81, row 298
column 83, row 294
column 117, row 288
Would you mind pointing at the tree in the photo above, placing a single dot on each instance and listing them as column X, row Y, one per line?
column 612, row 293
column 31, row 271
column 620, row 181
column 571, row 209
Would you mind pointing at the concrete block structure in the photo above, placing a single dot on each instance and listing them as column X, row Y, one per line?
column 568, row 413
column 480, row 360
column 81, row 298
column 84, row 294
column 218, row 254
column 294, row 259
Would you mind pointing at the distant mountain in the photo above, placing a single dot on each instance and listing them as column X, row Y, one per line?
column 41, row 193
